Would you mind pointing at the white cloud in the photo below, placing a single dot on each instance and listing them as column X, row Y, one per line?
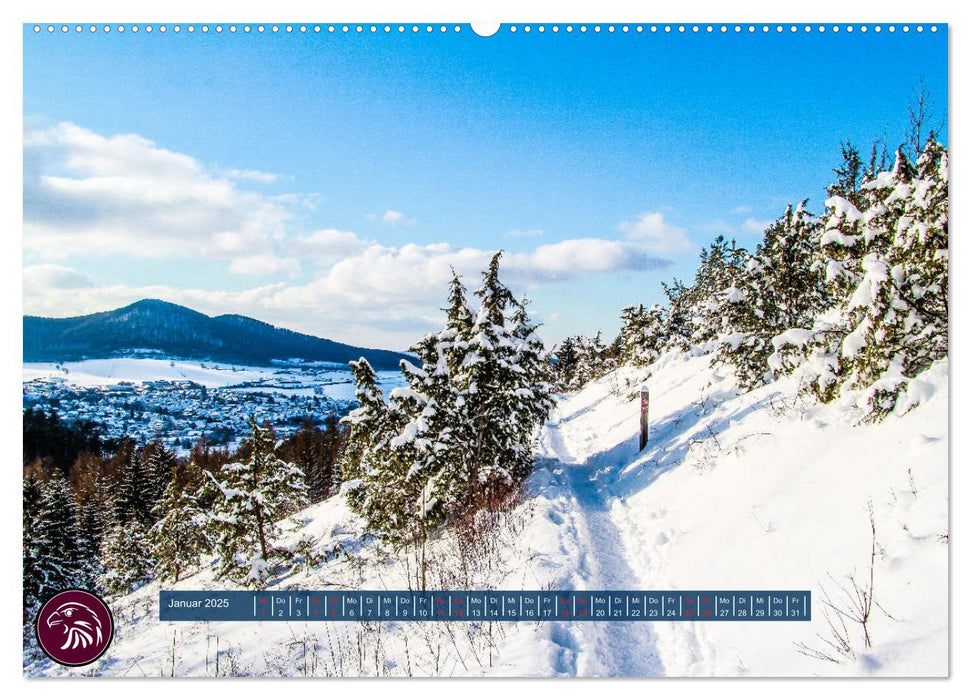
column 741, row 209
column 266, row 264
column 54, row 277
column 254, row 175
column 326, row 245
column 90, row 195
column 657, row 235
column 87, row 194
column 379, row 295
column 582, row 256
column 754, row 225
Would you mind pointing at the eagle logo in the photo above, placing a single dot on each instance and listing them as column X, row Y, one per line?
column 74, row 627
column 81, row 625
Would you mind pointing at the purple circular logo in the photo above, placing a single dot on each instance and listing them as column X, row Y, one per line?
column 74, row 628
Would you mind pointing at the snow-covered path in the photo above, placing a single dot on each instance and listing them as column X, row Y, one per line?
column 611, row 648
column 754, row 490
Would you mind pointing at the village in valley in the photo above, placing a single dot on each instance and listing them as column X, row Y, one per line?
column 181, row 403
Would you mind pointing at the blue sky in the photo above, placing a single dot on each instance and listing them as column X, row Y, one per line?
column 327, row 182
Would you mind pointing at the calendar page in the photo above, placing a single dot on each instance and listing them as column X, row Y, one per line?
column 423, row 349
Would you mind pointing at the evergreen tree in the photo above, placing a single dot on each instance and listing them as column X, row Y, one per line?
column 532, row 388
column 371, row 427
column 134, row 501
column 126, row 559
column 52, row 555
column 849, row 176
column 460, row 432
column 89, row 545
column 567, row 361
column 886, row 260
column 459, row 317
column 101, row 504
column 722, row 264
column 249, row 498
column 316, row 451
column 32, row 574
column 158, row 469
column 179, row 536
column 677, row 326
column 781, row 289
column 642, row 334
column 418, row 467
column 501, row 426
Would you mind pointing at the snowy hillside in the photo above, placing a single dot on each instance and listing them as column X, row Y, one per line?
column 761, row 490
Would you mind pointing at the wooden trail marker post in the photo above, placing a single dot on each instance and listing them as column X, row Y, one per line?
column 645, row 406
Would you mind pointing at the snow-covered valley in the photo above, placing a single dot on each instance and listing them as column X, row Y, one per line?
column 179, row 402
column 756, row 490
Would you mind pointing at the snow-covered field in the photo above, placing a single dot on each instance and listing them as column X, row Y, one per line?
column 335, row 383
column 762, row 490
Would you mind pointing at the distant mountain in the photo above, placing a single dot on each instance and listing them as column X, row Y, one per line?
column 154, row 328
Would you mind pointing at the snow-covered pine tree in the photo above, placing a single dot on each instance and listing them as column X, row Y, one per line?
column 179, row 536
column 642, row 334
column 886, row 261
column 631, row 333
column 437, row 434
column 780, row 290
column 305, row 453
column 126, row 559
column 53, row 553
column 677, row 325
column 495, row 383
column 920, row 270
column 371, row 425
column 89, row 544
column 401, row 460
column 249, row 498
column 101, row 503
column 134, row 501
column 722, row 264
column 158, row 471
column 594, row 359
column 460, row 432
column 532, row 391
column 32, row 574
column 422, row 467
column 458, row 322
column 415, row 446
column 565, row 366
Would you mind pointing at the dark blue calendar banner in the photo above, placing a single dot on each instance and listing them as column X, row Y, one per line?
column 508, row 606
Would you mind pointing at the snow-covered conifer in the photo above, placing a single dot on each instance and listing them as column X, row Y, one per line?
column 249, row 498
column 158, row 470
column 135, row 492
column 722, row 264
column 179, row 536
column 126, row 559
column 642, row 334
column 781, row 288
column 886, row 259
column 53, row 553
